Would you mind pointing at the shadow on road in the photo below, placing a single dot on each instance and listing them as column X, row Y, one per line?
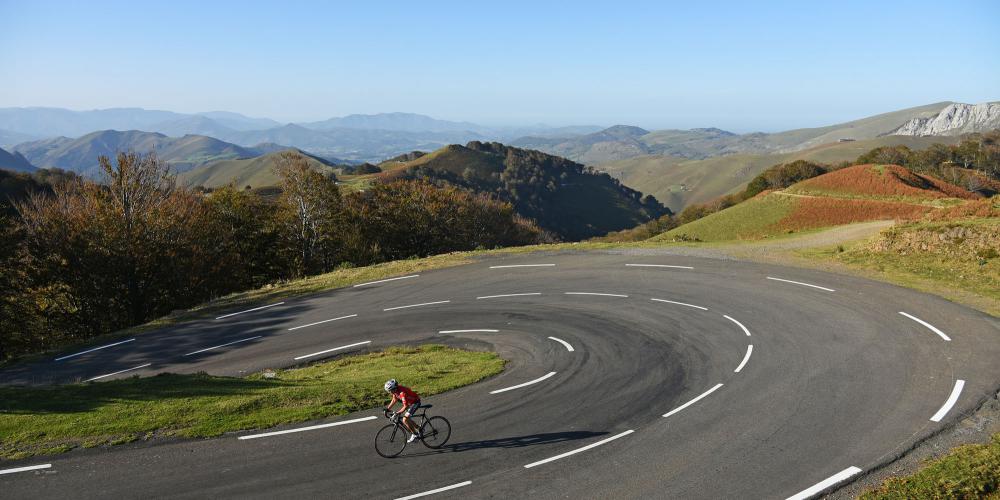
column 514, row 442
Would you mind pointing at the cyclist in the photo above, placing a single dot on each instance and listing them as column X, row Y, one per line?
column 410, row 401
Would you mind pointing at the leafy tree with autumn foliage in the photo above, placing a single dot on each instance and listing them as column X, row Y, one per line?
column 308, row 211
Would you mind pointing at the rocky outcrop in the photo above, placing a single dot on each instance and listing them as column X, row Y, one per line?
column 955, row 119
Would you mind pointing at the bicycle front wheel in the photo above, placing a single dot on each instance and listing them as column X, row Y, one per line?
column 435, row 432
column 390, row 441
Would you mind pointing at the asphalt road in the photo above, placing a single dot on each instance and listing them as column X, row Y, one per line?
column 837, row 381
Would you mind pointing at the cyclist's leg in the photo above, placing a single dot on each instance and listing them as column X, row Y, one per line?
column 408, row 420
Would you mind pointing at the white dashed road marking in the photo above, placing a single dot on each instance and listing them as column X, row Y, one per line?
column 416, row 305
column 507, row 295
column 117, row 372
column 522, row 265
column 826, row 483
column 803, row 284
column 25, row 469
column 564, row 343
column 745, row 359
column 518, row 386
column 324, row 321
column 578, row 450
column 223, row 345
column 387, row 280
column 738, row 324
column 249, row 310
column 693, row 401
column 469, row 331
column 310, row 428
column 680, row 304
column 659, row 265
column 598, row 294
column 94, row 349
column 334, row 349
column 952, row 399
column 928, row 325
column 439, row 490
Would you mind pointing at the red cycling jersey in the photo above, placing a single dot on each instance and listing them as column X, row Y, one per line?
column 406, row 395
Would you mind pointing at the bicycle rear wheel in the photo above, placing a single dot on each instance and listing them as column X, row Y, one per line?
column 435, row 432
column 390, row 441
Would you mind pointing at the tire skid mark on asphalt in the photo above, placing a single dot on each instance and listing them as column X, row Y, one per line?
column 94, row 349
column 928, row 325
column 826, row 483
column 530, row 382
column 250, row 310
column 745, row 359
column 25, row 469
column 738, row 324
column 564, row 343
column 578, row 450
column 387, row 280
column 803, row 284
column 324, row 321
column 117, row 372
column 331, row 350
column 438, row 490
column 952, row 399
column 680, row 303
column 693, row 401
column 309, row 428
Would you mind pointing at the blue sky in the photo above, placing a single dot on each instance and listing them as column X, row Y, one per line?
column 739, row 66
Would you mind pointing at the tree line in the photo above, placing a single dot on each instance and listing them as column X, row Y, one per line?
column 79, row 258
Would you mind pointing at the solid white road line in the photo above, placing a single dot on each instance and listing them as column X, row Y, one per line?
column 94, row 349
column 803, row 284
column 223, row 345
column 826, row 483
column 693, row 401
column 518, row 386
column 334, row 349
column 439, row 490
column 564, row 343
column 928, row 325
column 324, row 321
column 417, row 305
column 738, row 324
column 469, row 331
column 522, row 265
column 507, row 295
column 598, row 294
column 659, row 265
column 680, row 304
column 310, row 428
column 745, row 359
column 387, row 280
column 578, row 450
column 25, row 469
column 117, row 372
column 952, row 399
column 249, row 310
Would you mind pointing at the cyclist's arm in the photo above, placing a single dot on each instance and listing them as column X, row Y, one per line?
column 391, row 403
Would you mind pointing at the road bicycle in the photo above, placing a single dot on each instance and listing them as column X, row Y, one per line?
column 391, row 439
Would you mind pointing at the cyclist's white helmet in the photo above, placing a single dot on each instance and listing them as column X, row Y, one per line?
column 390, row 385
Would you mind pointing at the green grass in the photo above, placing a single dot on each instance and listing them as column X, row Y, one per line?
column 47, row 420
column 970, row 471
column 953, row 270
column 752, row 219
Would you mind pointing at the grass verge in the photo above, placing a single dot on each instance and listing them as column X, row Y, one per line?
column 45, row 420
column 970, row 471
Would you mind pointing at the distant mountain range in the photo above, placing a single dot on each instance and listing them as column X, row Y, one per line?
column 182, row 153
column 354, row 137
column 622, row 142
column 14, row 161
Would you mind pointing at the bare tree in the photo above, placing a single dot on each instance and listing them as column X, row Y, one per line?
column 311, row 202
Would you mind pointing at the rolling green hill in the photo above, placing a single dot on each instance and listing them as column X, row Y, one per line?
column 254, row 172
column 679, row 182
column 855, row 194
column 80, row 155
column 564, row 197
